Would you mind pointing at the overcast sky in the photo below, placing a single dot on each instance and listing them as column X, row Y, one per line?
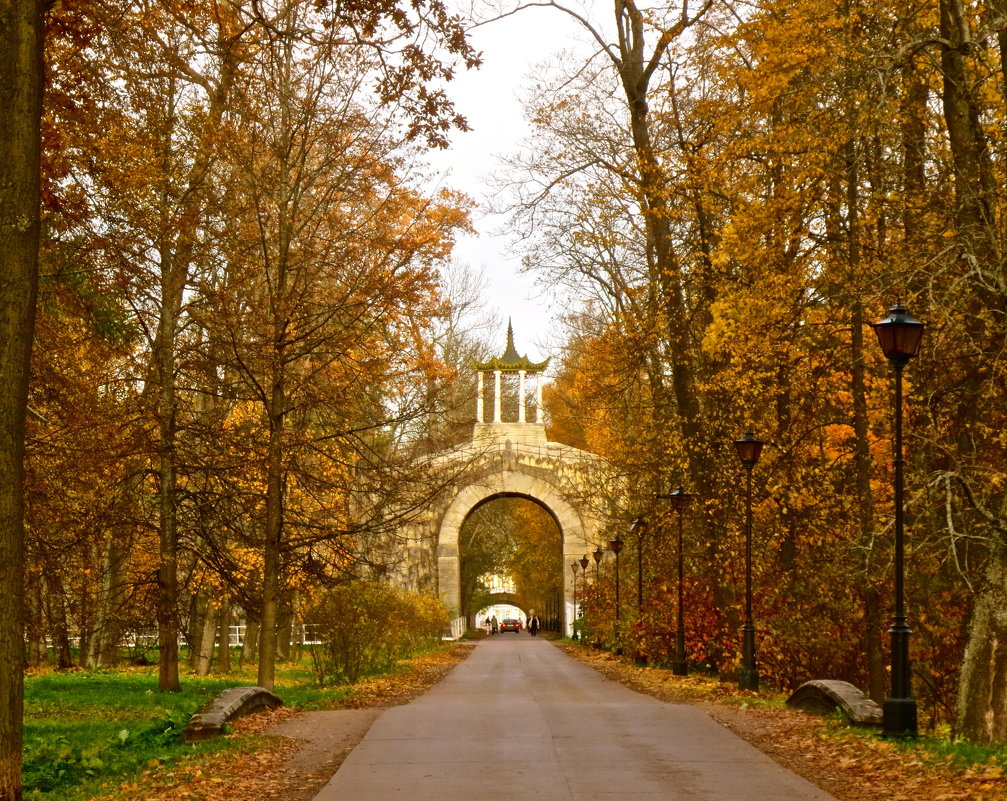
column 488, row 98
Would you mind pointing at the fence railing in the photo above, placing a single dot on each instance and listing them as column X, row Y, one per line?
column 457, row 628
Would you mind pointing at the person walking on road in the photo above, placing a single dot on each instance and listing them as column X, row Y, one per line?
column 533, row 624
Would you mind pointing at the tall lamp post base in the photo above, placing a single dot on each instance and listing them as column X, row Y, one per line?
column 748, row 680
column 679, row 665
column 748, row 677
column 899, row 717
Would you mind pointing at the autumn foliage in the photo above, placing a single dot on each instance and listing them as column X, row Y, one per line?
column 239, row 292
column 366, row 628
column 736, row 193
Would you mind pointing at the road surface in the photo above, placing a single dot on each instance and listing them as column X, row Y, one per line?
column 519, row 720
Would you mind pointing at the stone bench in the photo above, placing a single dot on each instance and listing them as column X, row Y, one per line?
column 234, row 702
column 824, row 696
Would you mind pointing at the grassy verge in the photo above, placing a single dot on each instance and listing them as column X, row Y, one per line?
column 88, row 732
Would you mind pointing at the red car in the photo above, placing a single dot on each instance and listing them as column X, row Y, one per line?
column 509, row 624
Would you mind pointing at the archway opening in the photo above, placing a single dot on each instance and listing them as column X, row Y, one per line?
column 510, row 550
column 500, row 612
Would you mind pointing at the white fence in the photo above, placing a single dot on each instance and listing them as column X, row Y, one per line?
column 306, row 634
column 458, row 626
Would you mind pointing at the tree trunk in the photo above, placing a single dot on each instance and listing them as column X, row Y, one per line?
column 103, row 647
column 167, row 573
column 58, row 627
column 194, row 631
column 38, row 652
column 224, row 640
column 204, row 657
column 274, row 533
column 982, row 689
column 874, row 642
column 250, row 642
column 276, row 411
column 21, row 69
column 284, row 629
column 870, row 597
column 636, row 69
column 972, row 171
column 175, row 254
column 914, row 153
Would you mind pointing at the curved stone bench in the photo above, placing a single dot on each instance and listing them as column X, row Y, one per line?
column 823, row 696
column 234, row 702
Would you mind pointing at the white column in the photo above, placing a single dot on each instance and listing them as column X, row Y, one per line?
column 479, row 398
column 539, row 416
column 496, row 397
column 520, row 406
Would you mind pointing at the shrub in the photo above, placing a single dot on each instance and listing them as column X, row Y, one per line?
column 366, row 627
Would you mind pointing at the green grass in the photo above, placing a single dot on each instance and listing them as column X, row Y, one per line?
column 86, row 729
column 958, row 754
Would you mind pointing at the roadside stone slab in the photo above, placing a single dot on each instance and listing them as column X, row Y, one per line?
column 234, row 702
column 822, row 696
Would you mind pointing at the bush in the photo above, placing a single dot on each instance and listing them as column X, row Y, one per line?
column 367, row 627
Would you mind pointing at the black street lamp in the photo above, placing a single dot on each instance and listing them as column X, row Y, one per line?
column 598, row 555
column 679, row 500
column 749, row 449
column 616, row 546
column 584, row 562
column 899, row 336
column 639, row 527
column 573, row 625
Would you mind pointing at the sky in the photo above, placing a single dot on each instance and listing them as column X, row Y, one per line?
column 488, row 98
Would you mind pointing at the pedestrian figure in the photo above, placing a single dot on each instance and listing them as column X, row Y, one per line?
column 494, row 624
column 533, row 624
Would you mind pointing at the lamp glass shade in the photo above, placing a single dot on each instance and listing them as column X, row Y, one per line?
column 899, row 335
column 679, row 498
column 574, row 566
column 584, row 562
column 615, row 544
column 749, row 449
column 598, row 555
column 638, row 527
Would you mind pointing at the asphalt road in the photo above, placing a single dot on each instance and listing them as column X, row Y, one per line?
column 519, row 720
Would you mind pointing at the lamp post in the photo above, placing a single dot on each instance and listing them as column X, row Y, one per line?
column 584, row 562
column 639, row 527
column 749, row 449
column 899, row 336
column 616, row 546
column 573, row 624
column 679, row 500
column 598, row 555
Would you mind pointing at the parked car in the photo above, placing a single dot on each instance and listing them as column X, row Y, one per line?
column 509, row 624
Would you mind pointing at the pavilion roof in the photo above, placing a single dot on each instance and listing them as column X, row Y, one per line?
column 511, row 362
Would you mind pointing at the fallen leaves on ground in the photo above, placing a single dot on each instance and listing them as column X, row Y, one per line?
column 849, row 764
column 255, row 771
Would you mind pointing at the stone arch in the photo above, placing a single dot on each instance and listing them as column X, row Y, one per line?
column 576, row 533
column 508, row 598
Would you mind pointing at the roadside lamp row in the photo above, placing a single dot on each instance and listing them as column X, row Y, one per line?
column 899, row 336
